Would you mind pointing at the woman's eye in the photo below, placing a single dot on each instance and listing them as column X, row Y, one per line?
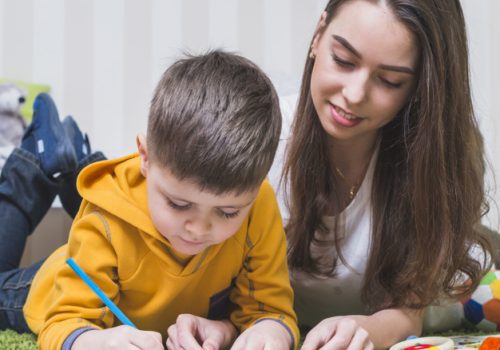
column 342, row 62
column 230, row 215
column 390, row 84
column 178, row 206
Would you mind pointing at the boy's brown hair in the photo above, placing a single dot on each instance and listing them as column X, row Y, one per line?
column 215, row 120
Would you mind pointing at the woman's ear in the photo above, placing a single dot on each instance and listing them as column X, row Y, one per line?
column 317, row 33
column 142, row 148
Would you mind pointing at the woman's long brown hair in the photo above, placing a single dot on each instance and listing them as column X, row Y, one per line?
column 428, row 185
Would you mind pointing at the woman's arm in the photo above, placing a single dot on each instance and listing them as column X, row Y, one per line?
column 389, row 326
column 379, row 330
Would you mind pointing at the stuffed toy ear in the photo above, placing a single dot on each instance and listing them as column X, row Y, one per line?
column 12, row 99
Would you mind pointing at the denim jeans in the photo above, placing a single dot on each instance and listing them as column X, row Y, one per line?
column 26, row 194
column 14, row 288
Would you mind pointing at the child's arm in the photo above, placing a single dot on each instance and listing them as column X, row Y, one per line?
column 262, row 291
column 197, row 333
column 266, row 334
column 380, row 330
column 121, row 337
column 72, row 305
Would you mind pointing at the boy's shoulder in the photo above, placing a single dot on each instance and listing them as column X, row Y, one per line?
column 264, row 217
column 266, row 198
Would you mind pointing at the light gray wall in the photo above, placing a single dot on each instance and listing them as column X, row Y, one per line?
column 484, row 48
column 103, row 58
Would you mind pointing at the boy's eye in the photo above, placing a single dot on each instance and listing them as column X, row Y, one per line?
column 342, row 62
column 178, row 206
column 229, row 215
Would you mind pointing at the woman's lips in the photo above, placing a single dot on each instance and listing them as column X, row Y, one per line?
column 343, row 118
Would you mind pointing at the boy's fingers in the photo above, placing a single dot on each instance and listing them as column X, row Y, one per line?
column 212, row 343
column 156, row 336
column 188, row 341
column 172, row 337
column 208, row 346
column 170, row 344
column 148, row 340
column 187, row 328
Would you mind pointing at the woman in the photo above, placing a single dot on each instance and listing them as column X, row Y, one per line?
column 383, row 171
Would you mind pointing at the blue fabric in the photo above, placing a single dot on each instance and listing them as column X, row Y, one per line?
column 80, row 142
column 47, row 140
column 14, row 288
column 68, row 194
column 26, row 194
column 68, row 343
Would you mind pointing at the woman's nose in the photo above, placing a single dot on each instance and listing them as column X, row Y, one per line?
column 356, row 88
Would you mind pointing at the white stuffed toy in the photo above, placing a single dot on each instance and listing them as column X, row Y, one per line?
column 12, row 124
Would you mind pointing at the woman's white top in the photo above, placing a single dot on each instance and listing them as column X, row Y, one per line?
column 319, row 298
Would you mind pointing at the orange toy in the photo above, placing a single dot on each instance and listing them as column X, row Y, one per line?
column 490, row 343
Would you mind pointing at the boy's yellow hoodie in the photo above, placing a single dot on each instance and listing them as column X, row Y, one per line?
column 115, row 242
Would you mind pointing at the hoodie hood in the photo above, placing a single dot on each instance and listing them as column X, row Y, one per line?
column 118, row 187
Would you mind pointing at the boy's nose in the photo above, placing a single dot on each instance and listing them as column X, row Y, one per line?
column 198, row 228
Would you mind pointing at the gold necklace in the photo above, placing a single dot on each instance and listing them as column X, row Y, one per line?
column 352, row 189
column 355, row 187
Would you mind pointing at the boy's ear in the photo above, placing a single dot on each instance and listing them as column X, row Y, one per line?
column 142, row 148
column 320, row 27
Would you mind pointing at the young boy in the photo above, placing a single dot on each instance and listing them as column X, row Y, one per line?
column 185, row 235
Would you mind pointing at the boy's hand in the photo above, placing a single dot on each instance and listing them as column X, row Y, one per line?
column 337, row 333
column 121, row 337
column 264, row 335
column 197, row 333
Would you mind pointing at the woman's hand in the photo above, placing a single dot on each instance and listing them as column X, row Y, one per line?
column 339, row 332
column 355, row 332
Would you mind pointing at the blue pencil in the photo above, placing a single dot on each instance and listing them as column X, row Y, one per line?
column 114, row 309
